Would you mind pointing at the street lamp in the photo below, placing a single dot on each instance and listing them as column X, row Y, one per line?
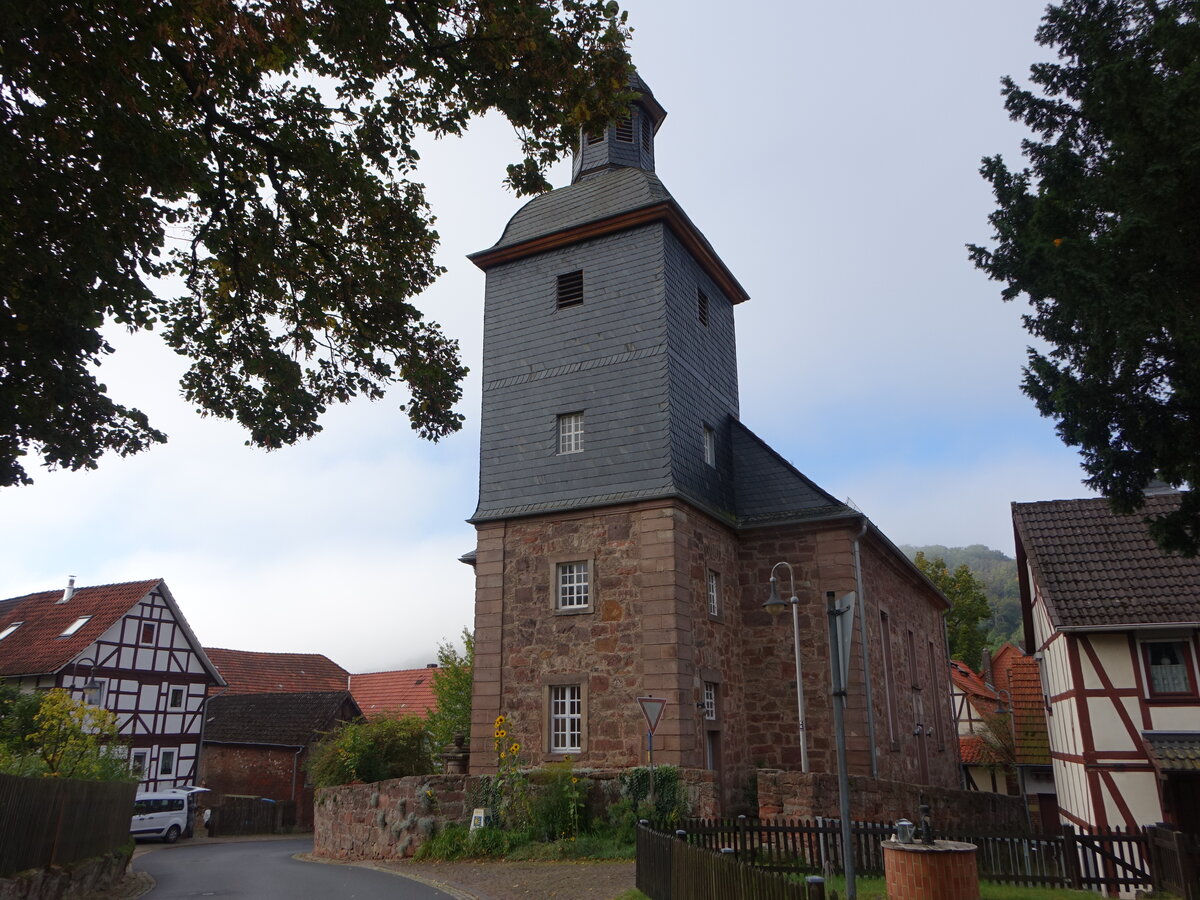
column 775, row 605
column 92, row 689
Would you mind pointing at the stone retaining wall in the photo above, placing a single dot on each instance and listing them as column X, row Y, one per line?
column 73, row 882
column 799, row 795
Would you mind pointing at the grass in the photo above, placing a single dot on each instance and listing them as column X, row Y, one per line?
column 876, row 889
column 456, row 842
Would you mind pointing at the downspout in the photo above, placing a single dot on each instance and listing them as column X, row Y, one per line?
column 866, row 653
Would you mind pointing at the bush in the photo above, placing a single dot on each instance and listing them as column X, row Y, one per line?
column 371, row 751
column 558, row 802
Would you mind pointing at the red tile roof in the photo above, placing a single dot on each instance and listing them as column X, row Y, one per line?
column 965, row 679
column 252, row 672
column 1095, row 567
column 975, row 751
column 401, row 692
column 36, row 648
column 1018, row 674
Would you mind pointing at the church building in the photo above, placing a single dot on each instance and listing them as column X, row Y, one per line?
column 628, row 522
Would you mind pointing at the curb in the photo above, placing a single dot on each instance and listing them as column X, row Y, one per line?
column 456, row 893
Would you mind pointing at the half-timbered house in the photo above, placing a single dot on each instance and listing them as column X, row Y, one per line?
column 1115, row 623
column 127, row 648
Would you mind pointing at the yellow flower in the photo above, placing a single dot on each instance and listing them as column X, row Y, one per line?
column 574, row 781
column 1058, row 242
column 501, row 733
column 499, row 721
column 514, row 749
column 502, row 754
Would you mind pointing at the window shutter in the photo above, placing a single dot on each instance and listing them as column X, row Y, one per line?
column 570, row 289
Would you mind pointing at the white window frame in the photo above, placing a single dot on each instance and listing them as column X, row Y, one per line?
column 183, row 697
column 570, row 432
column 710, row 701
column 573, row 584
column 75, row 626
column 168, row 753
column 566, row 718
column 710, row 446
column 713, row 589
column 138, row 761
column 9, row 629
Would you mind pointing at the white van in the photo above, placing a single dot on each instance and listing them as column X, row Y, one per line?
column 162, row 814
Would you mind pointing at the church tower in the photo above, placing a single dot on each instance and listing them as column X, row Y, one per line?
column 627, row 521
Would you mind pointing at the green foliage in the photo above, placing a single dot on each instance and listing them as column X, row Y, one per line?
column 452, row 684
column 1099, row 233
column 260, row 156
column 669, row 806
column 449, row 843
column 998, row 575
column 53, row 735
column 968, row 608
column 371, row 751
column 558, row 801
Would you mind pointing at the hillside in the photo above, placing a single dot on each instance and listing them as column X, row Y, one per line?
column 997, row 572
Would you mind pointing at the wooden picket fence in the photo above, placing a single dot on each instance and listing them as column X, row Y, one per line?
column 1111, row 860
column 58, row 821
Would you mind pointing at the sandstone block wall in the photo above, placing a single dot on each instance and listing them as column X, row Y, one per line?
column 78, row 880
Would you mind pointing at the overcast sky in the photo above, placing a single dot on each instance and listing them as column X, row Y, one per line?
column 830, row 154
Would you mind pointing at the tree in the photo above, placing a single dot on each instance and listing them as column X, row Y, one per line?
column 371, row 751
column 452, row 684
column 65, row 738
column 258, row 157
column 968, row 608
column 1100, row 234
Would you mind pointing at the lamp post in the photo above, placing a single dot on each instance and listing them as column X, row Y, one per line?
column 775, row 605
column 91, row 689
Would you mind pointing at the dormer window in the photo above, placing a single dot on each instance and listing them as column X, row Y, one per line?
column 570, row 289
column 625, row 130
column 75, row 626
column 9, row 629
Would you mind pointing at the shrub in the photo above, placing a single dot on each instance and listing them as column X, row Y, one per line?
column 559, row 801
column 371, row 751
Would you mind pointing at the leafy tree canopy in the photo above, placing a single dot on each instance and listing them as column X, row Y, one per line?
column 997, row 573
column 1100, row 234
column 53, row 735
column 452, row 683
column 260, row 154
column 969, row 610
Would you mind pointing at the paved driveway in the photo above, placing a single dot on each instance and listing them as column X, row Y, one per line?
column 266, row 870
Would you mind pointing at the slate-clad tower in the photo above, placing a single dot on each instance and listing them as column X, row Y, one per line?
column 627, row 521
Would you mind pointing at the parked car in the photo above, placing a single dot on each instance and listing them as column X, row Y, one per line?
column 190, row 793
column 160, row 814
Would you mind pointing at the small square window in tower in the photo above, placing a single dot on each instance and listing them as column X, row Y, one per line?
column 566, row 718
column 710, row 701
column 702, row 307
column 570, row 289
column 710, row 446
column 573, row 587
column 714, row 593
column 570, row 432
column 625, row 130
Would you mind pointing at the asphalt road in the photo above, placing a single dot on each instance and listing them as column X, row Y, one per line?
column 265, row 870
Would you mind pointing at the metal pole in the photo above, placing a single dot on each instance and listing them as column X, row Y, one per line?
column 799, row 683
column 839, row 727
column 650, row 749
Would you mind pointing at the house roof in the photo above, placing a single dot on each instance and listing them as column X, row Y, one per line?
column 975, row 751
column 1174, row 751
column 1096, row 568
column 966, row 680
column 252, row 672
column 399, row 692
column 1018, row 674
column 38, row 647
column 275, row 719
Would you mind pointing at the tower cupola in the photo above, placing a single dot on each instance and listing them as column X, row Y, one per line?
column 628, row 142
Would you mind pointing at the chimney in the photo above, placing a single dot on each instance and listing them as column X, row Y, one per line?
column 70, row 591
column 985, row 666
column 431, row 665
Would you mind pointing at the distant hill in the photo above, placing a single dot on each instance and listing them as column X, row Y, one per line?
column 997, row 572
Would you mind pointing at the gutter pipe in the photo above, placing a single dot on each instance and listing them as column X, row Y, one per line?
column 866, row 653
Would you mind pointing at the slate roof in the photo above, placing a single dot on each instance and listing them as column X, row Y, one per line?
column 1174, row 751
column 1096, row 568
column 253, row 672
column 275, row 719
column 37, row 647
column 1017, row 673
column 399, row 692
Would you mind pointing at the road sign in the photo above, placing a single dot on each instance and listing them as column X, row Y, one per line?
column 652, row 709
column 845, row 622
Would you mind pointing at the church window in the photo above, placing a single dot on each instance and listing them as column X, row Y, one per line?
column 647, row 133
column 702, row 307
column 625, row 130
column 75, row 626
column 889, row 684
column 570, row 289
column 566, row 718
column 710, row 701
column 1169, row 665
column 9, row 629
column 570, row 432
column 710, row 446
column 573, row 585
column 714, row 593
